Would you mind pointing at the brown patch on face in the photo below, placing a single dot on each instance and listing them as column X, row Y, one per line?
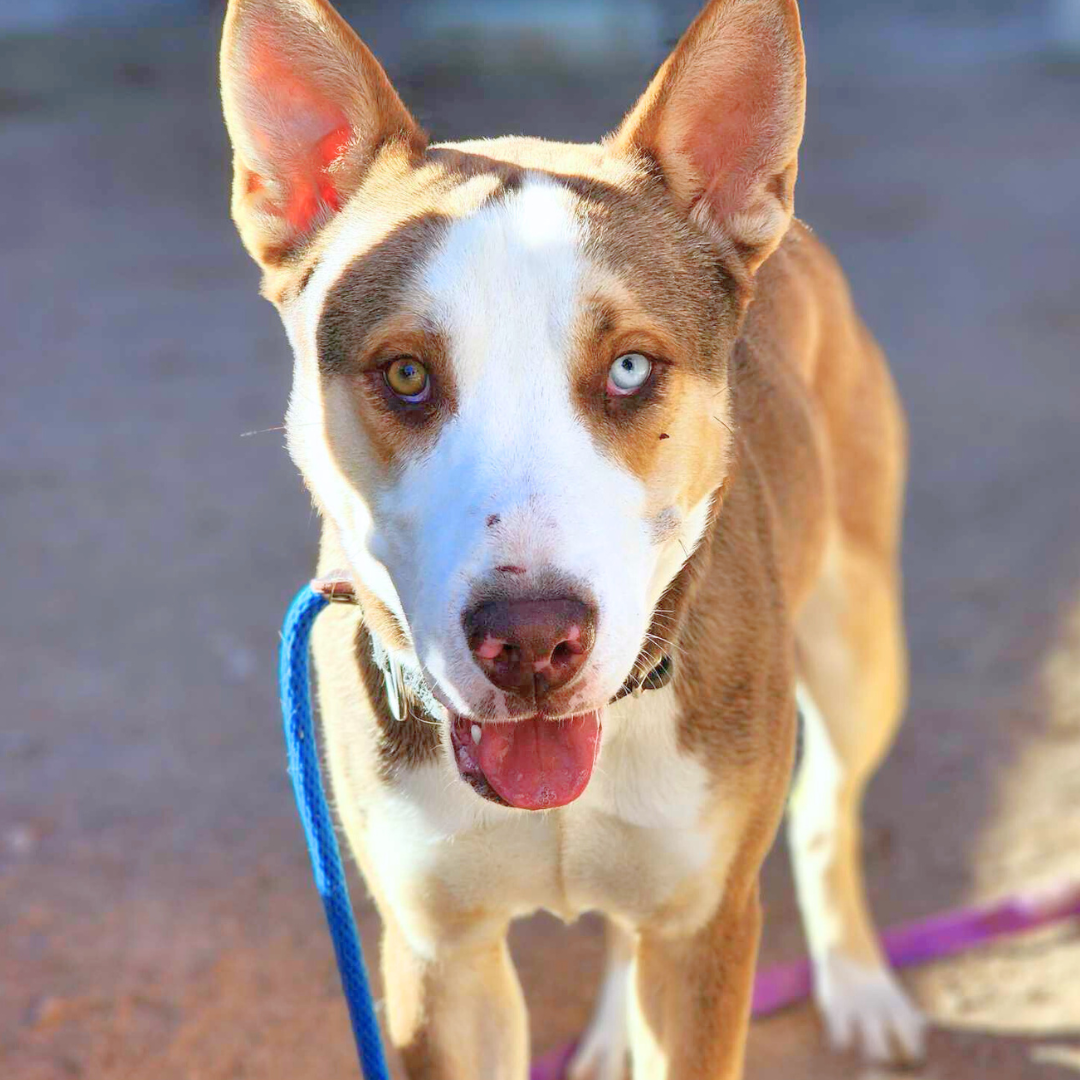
column 374, row 288
column 374, row 313
column 677, row 278
column 462, row 166
column 366, row 325
column 397, row 428
column 626, row 425
column 658, row 286
column 681, row 398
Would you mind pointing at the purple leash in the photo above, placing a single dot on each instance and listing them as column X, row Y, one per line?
column 939, row 936
column 931, row 939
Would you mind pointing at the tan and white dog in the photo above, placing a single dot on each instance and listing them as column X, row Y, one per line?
column 615, row 472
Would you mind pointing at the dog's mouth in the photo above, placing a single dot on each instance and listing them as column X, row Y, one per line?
column 533, row 764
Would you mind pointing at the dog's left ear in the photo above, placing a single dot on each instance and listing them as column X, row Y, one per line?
column 308, row 109
column 723, row 119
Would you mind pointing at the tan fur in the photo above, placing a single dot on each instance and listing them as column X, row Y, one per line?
column 777, row 424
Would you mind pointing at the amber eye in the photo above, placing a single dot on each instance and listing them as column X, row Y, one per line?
column 408, row 378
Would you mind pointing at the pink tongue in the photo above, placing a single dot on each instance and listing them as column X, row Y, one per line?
column 537, row 764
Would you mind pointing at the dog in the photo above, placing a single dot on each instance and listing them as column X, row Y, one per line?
column 614, row 472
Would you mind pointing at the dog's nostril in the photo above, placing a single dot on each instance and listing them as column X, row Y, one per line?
column 562, row 652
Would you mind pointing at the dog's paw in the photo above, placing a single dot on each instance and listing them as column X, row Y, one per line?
column 866, row 1008
column 595, row 1059
column 602, row 1052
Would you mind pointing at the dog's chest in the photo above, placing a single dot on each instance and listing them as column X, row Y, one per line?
column 642, row 840
column 644, row 834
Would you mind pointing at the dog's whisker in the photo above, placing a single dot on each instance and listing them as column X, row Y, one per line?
column 670, row 646
column 261, row 431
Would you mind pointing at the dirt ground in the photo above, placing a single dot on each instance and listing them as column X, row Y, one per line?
column 156, row 915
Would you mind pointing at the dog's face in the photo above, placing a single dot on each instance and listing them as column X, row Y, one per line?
column 504, row 398
column 512, row 356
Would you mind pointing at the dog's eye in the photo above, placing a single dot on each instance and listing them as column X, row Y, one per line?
column 408, row 378
column 628, row 374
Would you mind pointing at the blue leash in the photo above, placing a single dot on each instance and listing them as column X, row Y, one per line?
column 295, row 690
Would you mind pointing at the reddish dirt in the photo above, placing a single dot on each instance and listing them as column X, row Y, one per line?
column 156, row 915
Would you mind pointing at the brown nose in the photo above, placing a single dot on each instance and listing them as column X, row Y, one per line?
column 530, row 647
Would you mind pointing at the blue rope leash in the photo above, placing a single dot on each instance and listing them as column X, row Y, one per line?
column 319, row 832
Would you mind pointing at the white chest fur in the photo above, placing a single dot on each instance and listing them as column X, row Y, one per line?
column 645, row 841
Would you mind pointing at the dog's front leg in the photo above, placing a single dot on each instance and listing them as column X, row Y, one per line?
column 457, row 1013
column 690, row 1006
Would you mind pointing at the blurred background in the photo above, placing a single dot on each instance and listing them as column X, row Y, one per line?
column 157, row 918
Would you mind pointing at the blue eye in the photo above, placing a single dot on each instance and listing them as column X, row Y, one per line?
column 630, row 372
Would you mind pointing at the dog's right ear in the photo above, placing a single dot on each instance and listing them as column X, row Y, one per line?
column 308, row 109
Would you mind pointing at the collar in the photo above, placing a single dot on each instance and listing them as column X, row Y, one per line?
column 654, row 679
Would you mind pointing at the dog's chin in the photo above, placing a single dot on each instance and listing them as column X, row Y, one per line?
column 534, row 763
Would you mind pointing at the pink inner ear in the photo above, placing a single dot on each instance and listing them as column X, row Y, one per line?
column 304, row 135
column 313, row 191
column 734, row 132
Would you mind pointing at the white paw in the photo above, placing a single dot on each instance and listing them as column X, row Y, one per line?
column 601, row 1054
column 866, row 1007
column 596, row 1060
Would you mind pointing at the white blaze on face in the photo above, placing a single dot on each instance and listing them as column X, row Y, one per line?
column 503, row 288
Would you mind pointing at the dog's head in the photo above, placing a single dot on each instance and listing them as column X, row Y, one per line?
column 511, row 355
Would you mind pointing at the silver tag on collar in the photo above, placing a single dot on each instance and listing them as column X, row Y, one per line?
column 395, row 690
column 397, row 700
